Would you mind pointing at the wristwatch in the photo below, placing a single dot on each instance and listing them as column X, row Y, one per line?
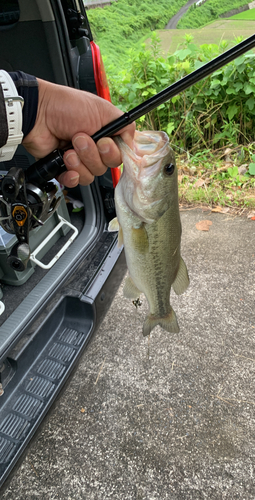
column 13, row 105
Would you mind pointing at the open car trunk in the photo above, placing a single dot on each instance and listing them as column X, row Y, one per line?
column 48, row 315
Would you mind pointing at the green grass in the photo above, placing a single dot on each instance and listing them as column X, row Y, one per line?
column 222, row 29
column 216, row 195
column 247, row 14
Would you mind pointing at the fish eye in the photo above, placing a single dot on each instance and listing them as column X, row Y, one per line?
column 169, row 169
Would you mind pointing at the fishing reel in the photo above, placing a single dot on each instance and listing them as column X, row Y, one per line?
column 27, row 200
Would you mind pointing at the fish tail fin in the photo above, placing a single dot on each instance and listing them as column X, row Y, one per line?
column 181, row 281
column 168, row 323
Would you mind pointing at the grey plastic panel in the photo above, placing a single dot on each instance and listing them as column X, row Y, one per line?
column 29, row 10
column 45, row 10
column 40, row 55
column 33, row 44
column 35, row 10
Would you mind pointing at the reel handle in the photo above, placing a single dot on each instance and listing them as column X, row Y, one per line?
column 44, row 170
column 19, row 256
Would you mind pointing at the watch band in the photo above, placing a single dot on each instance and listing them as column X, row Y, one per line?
column 13, row 105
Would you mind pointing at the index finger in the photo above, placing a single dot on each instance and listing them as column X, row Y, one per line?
column 127, row 134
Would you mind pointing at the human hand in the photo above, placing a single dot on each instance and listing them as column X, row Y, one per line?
column 66, row 114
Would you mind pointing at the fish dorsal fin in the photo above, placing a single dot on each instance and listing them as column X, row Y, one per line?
column 181, row 281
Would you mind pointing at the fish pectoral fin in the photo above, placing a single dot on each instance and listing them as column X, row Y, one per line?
column 181, row 281
column 140, row 239
column 130, row 290
column 168, row 323
column 113, row 225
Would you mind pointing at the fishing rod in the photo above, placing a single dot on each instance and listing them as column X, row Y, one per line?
column 53, row 165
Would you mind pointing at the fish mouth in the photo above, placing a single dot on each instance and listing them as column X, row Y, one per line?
column 143, row 174
column 150, row 143
column 149, row 148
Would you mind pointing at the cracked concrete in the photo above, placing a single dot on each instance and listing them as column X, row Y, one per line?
column 172, row 418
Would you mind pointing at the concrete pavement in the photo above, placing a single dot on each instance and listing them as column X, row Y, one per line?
column 170, row 419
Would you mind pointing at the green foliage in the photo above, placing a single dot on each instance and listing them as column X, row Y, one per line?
column 118, row 27
column 207, row 12
column 233, row 172
column 215, row 112
column 252, row 166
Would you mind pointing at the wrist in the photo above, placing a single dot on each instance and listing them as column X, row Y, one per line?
column 27, row 87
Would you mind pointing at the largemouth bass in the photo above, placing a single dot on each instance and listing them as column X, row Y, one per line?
column 149, row 226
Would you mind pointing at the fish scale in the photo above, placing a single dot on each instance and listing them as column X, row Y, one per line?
column 165, row 269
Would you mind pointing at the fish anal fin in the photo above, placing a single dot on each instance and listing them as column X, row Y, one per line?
column 130, row 290
column 113, row 225
column 140, row 239
column 181, row 281
column 168, row 322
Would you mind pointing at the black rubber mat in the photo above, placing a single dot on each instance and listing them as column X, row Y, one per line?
column 22, row 413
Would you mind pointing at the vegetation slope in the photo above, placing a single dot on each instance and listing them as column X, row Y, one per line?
column 211, row 125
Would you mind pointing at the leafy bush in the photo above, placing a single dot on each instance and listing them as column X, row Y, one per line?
column 207, row 12
column 212, row 113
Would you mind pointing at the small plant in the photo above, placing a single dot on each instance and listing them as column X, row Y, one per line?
column 233, row 172
column 252, row 165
